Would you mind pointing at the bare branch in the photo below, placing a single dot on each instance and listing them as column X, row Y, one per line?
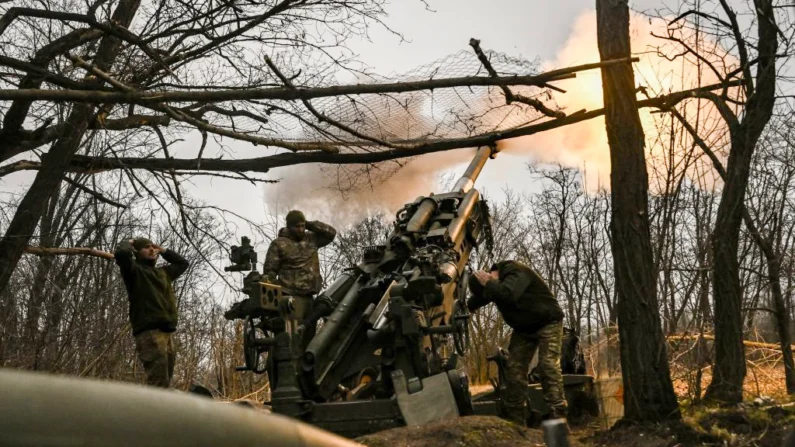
column 323, row 118
column 34, row 139
column 41, row 73
column 288, row 94
column 110, row 29
column 509, row 95
column 665, row 102
column 54, row 251
column 701, row 14
column 87, row 164
column 200, row 124
column 21, row 165
column 741, row 48
column 94, row 194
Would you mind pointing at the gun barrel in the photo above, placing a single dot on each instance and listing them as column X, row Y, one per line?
column 458, row 225
column 467, row 181
column 320, row 344
column 421, row 216
column 48, row 410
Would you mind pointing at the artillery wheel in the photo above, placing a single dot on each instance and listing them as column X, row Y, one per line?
column 251, row 353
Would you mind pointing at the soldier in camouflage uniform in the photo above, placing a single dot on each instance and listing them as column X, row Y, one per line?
column 153, row 307
column 528, row 306
column 292, row 262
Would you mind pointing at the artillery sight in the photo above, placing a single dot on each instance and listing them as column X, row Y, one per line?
column 243, row 258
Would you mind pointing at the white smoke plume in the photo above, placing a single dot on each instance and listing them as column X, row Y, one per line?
column 315, row 189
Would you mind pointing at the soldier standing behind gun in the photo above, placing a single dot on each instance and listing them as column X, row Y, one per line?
column 153, row 307
column 292, row 262
column 528, row 306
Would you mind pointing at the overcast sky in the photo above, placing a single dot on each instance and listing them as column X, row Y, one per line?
column 528, row 29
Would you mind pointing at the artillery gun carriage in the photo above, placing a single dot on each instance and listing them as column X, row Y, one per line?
column 395, row 324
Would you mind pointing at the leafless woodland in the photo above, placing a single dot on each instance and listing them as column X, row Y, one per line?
column 99, row 97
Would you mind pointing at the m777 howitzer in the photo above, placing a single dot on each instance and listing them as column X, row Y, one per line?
column 383, row 357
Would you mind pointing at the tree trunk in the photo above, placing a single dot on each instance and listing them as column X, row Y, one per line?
column 54, row 164
column 648, row 390
column 729, row 371
column 782, row 321
column 728, row 374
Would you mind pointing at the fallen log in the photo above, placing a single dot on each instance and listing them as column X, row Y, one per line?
column 748, row 343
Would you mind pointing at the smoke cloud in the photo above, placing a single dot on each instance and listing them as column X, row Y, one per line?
column 316, row 189
column 584, row 145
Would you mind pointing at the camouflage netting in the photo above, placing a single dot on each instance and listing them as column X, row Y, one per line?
column 449, row 113
column 446, row 113
column 407, row 117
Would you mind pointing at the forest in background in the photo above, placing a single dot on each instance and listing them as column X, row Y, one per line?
column 129, row 81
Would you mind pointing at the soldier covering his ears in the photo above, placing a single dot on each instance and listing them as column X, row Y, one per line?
column 153, row 306
column 292, row 262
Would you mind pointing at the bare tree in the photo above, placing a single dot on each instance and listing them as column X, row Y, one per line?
column 772, row 227
column 745, row 114
column 158, row 74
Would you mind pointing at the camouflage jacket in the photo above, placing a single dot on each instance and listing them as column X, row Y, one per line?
column 294, row 264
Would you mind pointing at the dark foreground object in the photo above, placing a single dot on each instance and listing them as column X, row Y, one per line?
column 46, row 410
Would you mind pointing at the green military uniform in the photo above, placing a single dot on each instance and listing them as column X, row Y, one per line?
column 293, row 263
column 153, row 307
column 528, row 306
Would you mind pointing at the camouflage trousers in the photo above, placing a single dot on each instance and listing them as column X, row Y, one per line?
column 156, row 351
column 547, row 341
column 302, row 307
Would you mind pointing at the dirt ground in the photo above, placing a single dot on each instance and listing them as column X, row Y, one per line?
column 470, row 431
column 740, row 426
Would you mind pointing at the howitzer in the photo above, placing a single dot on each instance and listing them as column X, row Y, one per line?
column 395, row 324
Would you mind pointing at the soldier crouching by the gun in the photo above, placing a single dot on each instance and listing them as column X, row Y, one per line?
column 529, row 308
column 292, row 262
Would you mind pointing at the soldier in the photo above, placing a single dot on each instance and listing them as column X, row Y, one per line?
column 527, row 306
column 153, row 307
column 292, row 262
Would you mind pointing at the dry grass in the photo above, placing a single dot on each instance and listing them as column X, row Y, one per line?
column 691, row 366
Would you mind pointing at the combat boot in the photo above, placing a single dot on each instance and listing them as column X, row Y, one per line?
column 517, row 415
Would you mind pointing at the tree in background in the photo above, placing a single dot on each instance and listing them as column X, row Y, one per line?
column 704, row 31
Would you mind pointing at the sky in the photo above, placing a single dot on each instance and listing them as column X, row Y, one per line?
column 559, row 33
column 519, row 28
column 528, row 29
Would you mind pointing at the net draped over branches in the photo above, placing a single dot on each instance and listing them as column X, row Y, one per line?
column 381, row 120
column 408, row 117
